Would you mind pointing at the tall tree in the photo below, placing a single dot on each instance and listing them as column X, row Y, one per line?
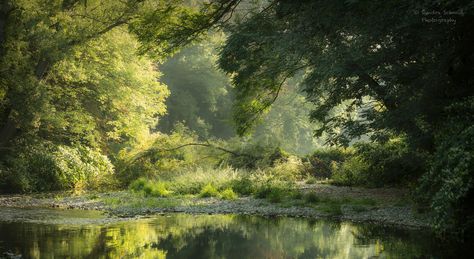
column 37, row 35
column 409, row 66
column 396, row 67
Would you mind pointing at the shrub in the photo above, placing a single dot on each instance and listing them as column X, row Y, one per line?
column 322, row 162
column 448, row 187
column 351, row 172
column 277, row 194
column 209, row 191
column 288, row 170
column 257, row 155
column 159, row 155
column 228, row 194
column 191, row 181
column 157, row 189
column 375, row 165
column 138, row 185
column 44, row 166
column 150, row 188
column 272, row 190
column 242, row 186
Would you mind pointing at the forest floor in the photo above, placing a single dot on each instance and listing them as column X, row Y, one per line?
column 388, row 206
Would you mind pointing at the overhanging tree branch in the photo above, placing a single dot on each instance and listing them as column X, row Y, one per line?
column 209, row 145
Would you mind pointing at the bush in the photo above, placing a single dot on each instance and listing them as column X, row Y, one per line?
column 242, row 186
column 257, row 155
column 159, row 156
column 150, row 188
column 322, row 162
column 352, row 172
column 273, row 190
column 228, row 194
column 277, row 194
column 157, row 189
column 448, row 187
column 374, row 165
column 47, row 167
column 289, row 169
column 138, row 185
column 209, row 191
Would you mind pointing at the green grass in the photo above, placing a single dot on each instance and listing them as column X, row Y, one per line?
column 225, row 183
column 137, row 200
column 229, row 184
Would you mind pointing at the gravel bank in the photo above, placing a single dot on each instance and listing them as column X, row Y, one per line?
column 388, row 214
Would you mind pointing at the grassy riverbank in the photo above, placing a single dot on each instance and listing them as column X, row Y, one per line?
column 382, row 206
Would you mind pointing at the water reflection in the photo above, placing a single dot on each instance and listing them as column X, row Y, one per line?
column 212, row 236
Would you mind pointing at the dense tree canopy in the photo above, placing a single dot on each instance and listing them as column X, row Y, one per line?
column 382, row 58
column 45, row 47
column 394, row 68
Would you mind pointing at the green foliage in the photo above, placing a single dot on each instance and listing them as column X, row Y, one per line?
column 323, row 162
column 48, row 167
column 228, row 194
column 150, row 188
column 272, row 189
column 159, row 155
column 138, row 184
column 201, row 95
column 340, row 58
column 157, row 189
column 243, row 186
column 71, row 73
column 274, row 193
column 448, row 185
column 286, row 123
column 376, row 165
column 352, row 172
column 208, row 191
column 112, row 102
column 254, row 155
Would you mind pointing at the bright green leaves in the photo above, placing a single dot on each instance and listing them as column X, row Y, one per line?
column 70, row 73
column 109, row 83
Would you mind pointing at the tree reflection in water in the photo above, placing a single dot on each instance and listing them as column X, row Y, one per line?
column 215, row 236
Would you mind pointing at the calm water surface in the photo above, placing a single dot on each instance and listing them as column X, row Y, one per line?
column 48, row 233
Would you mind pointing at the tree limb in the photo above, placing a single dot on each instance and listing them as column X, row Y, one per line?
column 209, row 145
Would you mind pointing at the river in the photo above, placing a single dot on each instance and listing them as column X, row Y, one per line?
column 54, row 233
